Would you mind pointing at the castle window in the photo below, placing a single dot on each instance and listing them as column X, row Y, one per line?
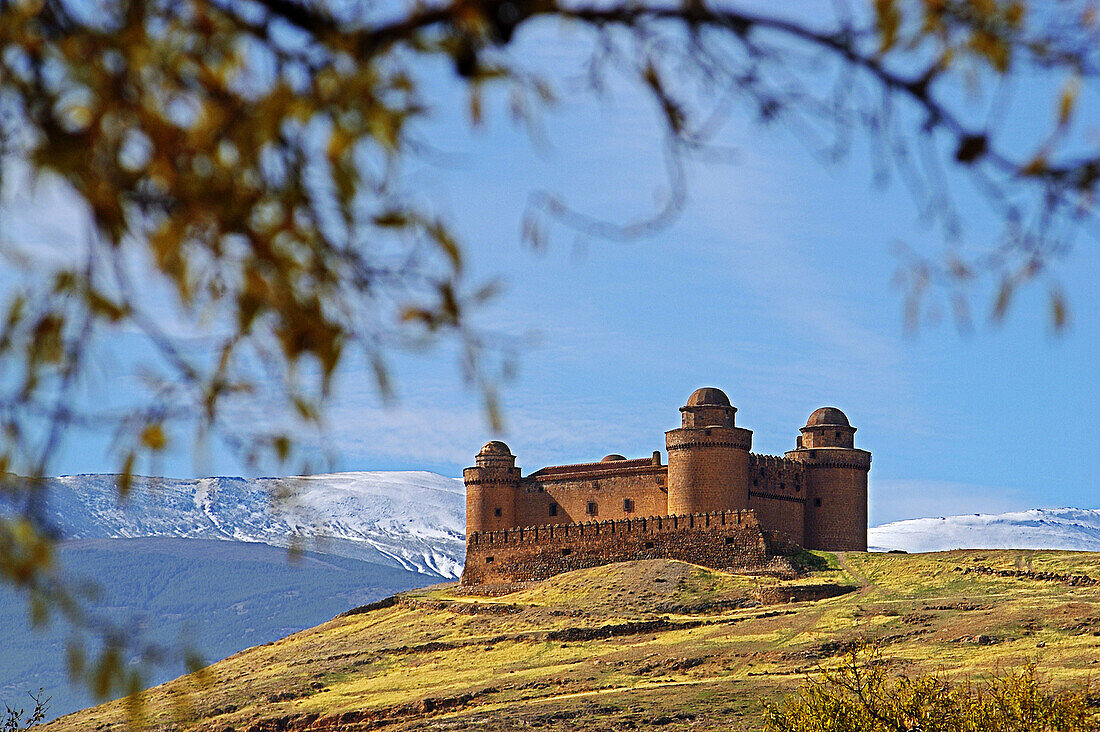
column 755, row 482
column 553, row 509
column 591, row 508
column 729, row 541
column 488, row 560
column 498, row 512
column 782, row 486
column 566, row 552
column 798, row 489
column 817, row 501
column 838, row 435
column 649, row 545
column 628, row 505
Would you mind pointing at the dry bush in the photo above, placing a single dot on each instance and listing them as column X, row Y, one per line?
column 862, row 695
column 17, row 720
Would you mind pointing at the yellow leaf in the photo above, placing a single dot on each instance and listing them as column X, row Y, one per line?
column 1069, row 98
column 1004, row 297
column 394, row 219
column 475, row 104
column 1058, row 310
column 888, row 20
column 126, row 477
column 281, row 444
column 153, row 437
column 1037, row 165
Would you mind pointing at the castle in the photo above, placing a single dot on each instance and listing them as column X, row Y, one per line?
column 715, row 503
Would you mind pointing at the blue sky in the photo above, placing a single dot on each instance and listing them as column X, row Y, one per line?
column 775, row 283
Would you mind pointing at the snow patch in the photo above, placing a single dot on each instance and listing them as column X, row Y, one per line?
column 415, row 520
column 1071, row 529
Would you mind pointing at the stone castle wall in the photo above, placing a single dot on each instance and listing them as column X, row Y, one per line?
column 616, row 490
column 707, row 469
column 836, row 501
column 777, row 494
column 722, row 540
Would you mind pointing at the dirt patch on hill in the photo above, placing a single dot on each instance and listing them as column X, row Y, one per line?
column 361, row 720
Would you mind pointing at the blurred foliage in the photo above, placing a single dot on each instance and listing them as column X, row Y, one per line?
column 245, row 157
column 861, row 695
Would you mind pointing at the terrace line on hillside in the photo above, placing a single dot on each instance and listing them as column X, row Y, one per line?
column 815, row 496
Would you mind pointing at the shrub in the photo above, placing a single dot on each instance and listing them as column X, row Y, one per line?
column 862, row 696
column 17, row 720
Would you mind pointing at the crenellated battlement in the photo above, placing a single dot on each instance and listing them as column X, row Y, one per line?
column 772, row 462
column 722, row 539
column 648, row 524
column 780, row 477
column 832, row 457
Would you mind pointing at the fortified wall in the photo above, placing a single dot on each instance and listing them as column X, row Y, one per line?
column 725, row 539
column 523, row 527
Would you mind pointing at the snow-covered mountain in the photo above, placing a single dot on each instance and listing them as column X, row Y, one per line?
column 414, row 520
column 1075, row 529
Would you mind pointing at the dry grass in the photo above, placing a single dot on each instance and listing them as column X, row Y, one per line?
column 642, row 644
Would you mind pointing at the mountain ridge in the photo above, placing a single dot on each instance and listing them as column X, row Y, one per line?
column 1067, row 529
column 414, row 520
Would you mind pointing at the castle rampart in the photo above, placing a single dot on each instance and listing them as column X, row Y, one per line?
column 724, row 539
column 816, row 495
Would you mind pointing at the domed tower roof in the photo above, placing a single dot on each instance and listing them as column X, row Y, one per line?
column 708, row 407
column 827, row 417
column 613, row 457
column 827, row 427
column 495, row 454
column 708, row 396
column 495, row 447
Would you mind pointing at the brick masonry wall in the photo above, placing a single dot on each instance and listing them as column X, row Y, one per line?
column 722, row 540
column 836, row 508
column 491, row 498
column 777, row 494
column 643, row 486
column 787, row 517
column 777, row 476
column 707, row 469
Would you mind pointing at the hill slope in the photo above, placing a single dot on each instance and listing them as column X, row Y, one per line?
column 642, row 644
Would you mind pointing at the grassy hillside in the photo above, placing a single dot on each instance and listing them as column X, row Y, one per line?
column 643, row 644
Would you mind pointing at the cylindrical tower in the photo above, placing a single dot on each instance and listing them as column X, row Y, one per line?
column 708, row 457
column 836, row 482
column 492, row 486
